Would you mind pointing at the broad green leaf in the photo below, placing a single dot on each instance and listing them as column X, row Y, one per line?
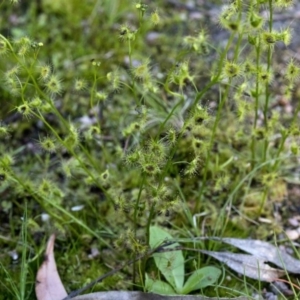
column 170, row 264
column 158, row 287
column 201, row 278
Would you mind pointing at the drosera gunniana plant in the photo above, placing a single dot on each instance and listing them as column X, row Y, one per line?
column 143, row 142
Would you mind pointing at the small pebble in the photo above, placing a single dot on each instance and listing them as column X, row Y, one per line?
column 45, row 217
column 294, row 222
column 77, row 208
column 292, row 234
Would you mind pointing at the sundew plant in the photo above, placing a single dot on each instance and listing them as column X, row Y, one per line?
column 117, row 116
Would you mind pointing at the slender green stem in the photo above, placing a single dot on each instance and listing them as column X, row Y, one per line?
column 92, row 97
column 253, row 140
column 258, row 48
column 24, row 264
column 137, row 203
column 162, row 125
column 284, row 136
column 151, row 215
column 216, row 78
column 267, row 89
column 136, row 210
column 212, row 138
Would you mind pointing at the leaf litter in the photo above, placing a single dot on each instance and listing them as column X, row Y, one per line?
column 265, row 251
column 247, row 265
column 125, row 295
column 50, row 287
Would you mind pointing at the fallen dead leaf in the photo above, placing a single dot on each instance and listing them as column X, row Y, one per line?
column 267, row 252
column 124, row 295
column 48, row 285
column 248, row 265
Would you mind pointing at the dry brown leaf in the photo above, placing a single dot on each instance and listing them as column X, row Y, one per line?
column 48, row 285
column 267, row 252
column 248, row 265
column 124, row 295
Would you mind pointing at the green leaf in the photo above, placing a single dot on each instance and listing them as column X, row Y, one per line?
column 170, row 264
column 158, row 287
column 201, row 278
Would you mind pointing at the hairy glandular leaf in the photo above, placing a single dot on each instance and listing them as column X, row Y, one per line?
column 201, row 278
column 170, row 264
